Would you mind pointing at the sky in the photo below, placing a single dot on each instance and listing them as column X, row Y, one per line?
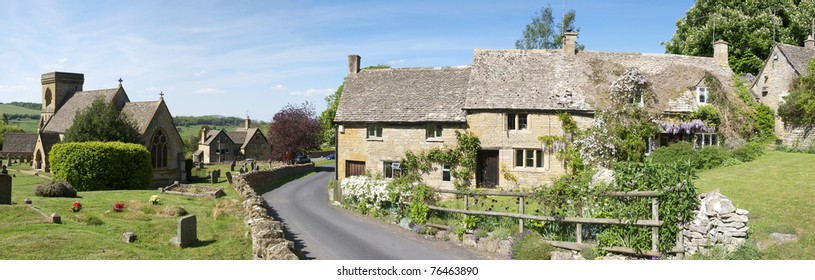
column 236, row 57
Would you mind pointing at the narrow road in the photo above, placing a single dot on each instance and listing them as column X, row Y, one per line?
column 323, row 231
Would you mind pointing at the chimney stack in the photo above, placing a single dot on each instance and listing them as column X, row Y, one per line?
column 204, row 131
column 720, row 53
column 353, row 63
column 809, row 43
column 569, row 43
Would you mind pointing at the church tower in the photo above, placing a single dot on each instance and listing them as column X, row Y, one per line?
column 57, row 88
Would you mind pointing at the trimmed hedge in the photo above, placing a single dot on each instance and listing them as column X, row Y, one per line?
column 91, row 166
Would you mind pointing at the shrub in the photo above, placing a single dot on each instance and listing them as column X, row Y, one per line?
column 91, row 166
column 677, row 152
column 502, row 233
column 748, row 152
column 531, row 246
column 712, row 157
column 55, row 189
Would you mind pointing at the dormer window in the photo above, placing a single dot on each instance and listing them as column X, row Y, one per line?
column 701, row 95
column 637, row 99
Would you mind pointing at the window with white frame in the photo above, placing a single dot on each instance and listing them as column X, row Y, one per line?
column 374, row 131
column 445, row 172
column 517, row 121
column 528, row 158
column 434, row 131
column 702, row 95
column 391, row 169
column 637, row 99
column 705, row 139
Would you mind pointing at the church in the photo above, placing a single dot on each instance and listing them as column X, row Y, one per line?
column 63, row 97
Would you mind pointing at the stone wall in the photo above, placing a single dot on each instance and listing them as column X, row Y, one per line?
column 717, row 223
column 269, row 241
column 775, row 79
column 799, row 136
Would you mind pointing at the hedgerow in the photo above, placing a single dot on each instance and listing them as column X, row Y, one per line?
column 91, row 166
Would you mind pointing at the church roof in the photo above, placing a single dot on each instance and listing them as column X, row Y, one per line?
column 64, row 118
column 18, row 142
column 141, row 112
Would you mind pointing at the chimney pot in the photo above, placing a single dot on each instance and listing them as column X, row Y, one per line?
column 353, row 63
column 809, row 43
column 569, row 43
column 720, row 53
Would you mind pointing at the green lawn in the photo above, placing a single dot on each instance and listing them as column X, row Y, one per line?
column 221, row 229
column 779, row 191
column 11, row 109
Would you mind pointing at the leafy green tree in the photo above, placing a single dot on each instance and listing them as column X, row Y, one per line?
column 5, row 118
column 799, row 106
column 102, row 122
column 750, row 27
column 542, row 33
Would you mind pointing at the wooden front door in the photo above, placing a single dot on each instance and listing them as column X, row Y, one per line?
column 487, row 169
column 354, row 168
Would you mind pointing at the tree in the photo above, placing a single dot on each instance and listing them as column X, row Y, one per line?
column 542, row 33
column 102, row 122
column 750, row 27
column 293, row 130
column 798, row 107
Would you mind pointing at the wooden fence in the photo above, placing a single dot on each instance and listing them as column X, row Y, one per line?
column 654, row 222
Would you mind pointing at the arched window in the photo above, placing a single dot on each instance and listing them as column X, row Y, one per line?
column 158, row 149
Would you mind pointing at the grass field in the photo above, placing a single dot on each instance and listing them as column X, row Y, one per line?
column 28, row 125
column 23, row 235
column 779, row 191
column 11, row 109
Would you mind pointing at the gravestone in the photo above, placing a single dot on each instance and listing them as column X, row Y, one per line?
column 243, row 170
column 55, row 218
column 229, row 177
column 257, row 167
column 26, row 201
column 5, row 189
column 5, row 171
column 187, row 232
column 252, row 164
column 213, row 176
column 232, row 166
column 200, row 165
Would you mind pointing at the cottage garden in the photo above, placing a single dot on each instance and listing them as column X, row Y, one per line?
column 612, row 199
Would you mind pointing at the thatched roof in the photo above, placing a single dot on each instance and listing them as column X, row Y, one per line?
column 798, row 57
column 550, row 80
column 64, row 118
column 404, row 95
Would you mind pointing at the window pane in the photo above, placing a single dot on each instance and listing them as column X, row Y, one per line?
column 510, row 121
column 388, row 172
column 530, row 158
column 438, row 130
column 698, row 140
column 713, row 140
column 521, row 121
column 538, row 158
column 445, row 173
column 519, row 158
column 429, row 132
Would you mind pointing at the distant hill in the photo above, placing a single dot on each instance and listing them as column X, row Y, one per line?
column 17, row 110
column 29, row 105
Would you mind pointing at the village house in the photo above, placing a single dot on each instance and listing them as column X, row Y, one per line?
column 785, row 65
column 508, row 99
column 18, row 145
column 218, row 145
column 63, row 97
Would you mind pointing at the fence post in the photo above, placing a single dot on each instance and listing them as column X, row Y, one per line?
column 521, row 211
column 654, row 230
column 466, row 202
column 579, row 232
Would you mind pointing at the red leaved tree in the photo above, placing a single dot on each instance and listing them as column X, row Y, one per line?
column 293, row 130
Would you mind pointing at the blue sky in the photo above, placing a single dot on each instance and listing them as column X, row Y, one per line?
column 229, row 57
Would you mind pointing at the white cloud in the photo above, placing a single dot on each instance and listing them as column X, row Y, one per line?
column 200, row 73
column 278, row 87
column 208, row 91
column 13, row 88
column 62, row 60
column 398, row 61
column 312, row 92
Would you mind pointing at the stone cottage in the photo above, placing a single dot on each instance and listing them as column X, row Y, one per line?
column 507, row 98
column 219, row 145
column 63, row 97
column 785, row 65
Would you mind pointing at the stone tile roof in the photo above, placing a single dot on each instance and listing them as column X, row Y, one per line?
column 549, row 80
column 797, row 56
column 239, row 137
column 18, row 142
column 64, row 118
column 211, row 135
column 141, row 112
column 404, row 95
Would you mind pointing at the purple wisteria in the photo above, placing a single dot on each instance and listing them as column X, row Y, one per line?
column 687, row 127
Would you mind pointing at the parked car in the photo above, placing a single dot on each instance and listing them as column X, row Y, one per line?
column 330, row 156
column 301, row 158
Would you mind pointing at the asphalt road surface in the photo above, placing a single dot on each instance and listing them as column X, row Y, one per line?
column 323, row 231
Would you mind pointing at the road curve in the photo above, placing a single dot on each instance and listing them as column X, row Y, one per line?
column 323, row 231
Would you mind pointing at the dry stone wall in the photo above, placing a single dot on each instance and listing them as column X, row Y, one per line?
column 718, row 223
column 269, row 241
